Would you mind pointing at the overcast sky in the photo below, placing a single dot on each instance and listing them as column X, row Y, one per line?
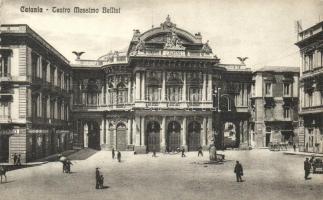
column 262, row 30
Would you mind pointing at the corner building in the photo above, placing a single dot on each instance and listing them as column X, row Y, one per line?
column 310, row 44
column 35, row 88
column 167, row 91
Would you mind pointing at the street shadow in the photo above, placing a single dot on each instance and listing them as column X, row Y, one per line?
column 82, row 154
column 105, row 187
column 7, row 182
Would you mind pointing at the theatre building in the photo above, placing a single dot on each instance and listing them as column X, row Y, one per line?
column 167, row 91
column 35, row 87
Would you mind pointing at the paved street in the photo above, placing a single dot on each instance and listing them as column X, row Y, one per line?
column 268, row 175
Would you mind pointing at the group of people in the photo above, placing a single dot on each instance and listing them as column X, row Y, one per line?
column 99, row 179
column 67, row 166
column 118, row 155
column 16, row 159
column 308, row 163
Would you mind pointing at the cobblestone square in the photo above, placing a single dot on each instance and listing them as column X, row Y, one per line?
column 267, row 175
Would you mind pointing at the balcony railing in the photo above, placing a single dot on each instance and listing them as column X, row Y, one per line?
column 5, row 119
column 5, row 77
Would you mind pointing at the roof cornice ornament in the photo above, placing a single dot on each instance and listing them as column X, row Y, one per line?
column 167, row 24
column 173, row 42
column 206, row 48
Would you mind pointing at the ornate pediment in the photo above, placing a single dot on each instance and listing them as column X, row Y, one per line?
column 173, row 42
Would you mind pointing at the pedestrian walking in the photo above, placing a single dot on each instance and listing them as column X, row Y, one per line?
column 113, row 153
column 238, row 170
column 101, row 182
column 97, row 178
column 183, row 152
column 154, row 153
column 307, row 168
column 200, row 152
column 19, row 160
column 15, row 157
column 294, row 147
column 119, row 156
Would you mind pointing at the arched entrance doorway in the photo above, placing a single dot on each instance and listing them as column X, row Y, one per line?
column 194, row 135
column 121, row 139
column 94, row 135
column 153, row 136
column 173, row 136
column 230, row 135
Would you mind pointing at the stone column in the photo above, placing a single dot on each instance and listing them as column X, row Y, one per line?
column 86, row 131
column 114, row 139
column 129, row 91
column 143, row 82
column 142, row 131
column 184, row 87
column 209, row 88
column 209, row 130
column 40, row 67
column 134, row 131
column 102, row 132
column 137, row 123
column 204, row 132
column 137, row 86
column 162, row 135
column 184, row 132
column 106, row 92
column 107, row 133
column 163, row 92
column 129, row 131
column 204, row 88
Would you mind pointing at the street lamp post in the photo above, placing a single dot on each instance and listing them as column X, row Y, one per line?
column 217, row 95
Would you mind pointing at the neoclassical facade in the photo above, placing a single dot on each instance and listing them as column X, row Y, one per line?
column 167, row 91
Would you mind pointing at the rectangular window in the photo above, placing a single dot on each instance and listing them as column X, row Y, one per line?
column 268, row 89
column 4, row 109
column 286, row 113
column 5, row 63
column 310, row 61
column 286, row 89
column 310, row 99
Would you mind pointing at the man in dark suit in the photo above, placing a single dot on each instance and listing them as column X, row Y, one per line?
column 113, row 153
column 119, row 156
column 97, row 178
column 307, row 168
column 239, row 171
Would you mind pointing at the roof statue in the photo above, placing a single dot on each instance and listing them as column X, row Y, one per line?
column 242, row 59
column 78, row 54
column 140, row 47
column 206, row 48
column 173, row 42
column 167, row 24
column 136, row 34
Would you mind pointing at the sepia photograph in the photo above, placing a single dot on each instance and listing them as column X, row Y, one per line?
column 156, row 100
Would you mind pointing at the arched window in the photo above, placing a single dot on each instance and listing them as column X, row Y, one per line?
column 195, row 94
column 122, row 93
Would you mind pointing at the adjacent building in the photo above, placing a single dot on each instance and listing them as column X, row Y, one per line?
column 274, row 106
column 35, row 96
column 311, row 88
